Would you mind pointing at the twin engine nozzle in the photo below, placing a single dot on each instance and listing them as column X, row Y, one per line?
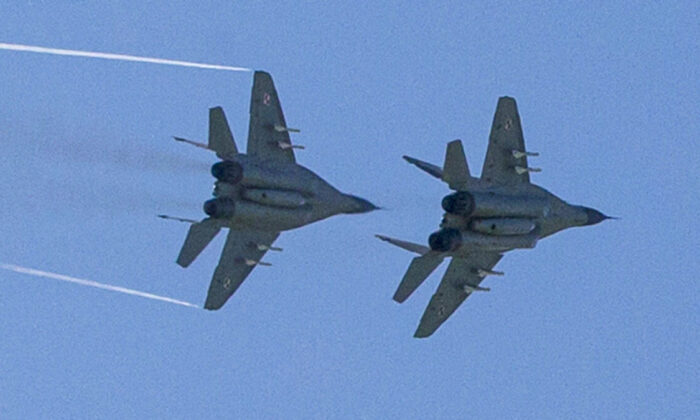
column 445, row 240
column 220, row 208
column 227, row 171
column 489, row 204
column 461, row 203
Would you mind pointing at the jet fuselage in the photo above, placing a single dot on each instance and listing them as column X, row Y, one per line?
column 274, row 196
column 501, row 218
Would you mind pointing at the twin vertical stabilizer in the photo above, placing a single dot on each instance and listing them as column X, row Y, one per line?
column 220, row 137
column 455, row 171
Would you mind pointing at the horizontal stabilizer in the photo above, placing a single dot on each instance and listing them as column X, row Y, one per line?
column 433, row 170
column 198, row 237
column 220, row 137
column 408, row 246
column 417, row 272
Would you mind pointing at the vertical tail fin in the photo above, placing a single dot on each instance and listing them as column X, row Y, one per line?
column 220, row 137
column 455, row 171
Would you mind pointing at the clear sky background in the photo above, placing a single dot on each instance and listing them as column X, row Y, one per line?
column 596, row 322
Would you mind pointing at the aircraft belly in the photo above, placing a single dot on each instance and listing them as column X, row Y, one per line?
column 271, row 218
column 502, row 226
column 275, row 198
column 472, row 241
column 492, row 204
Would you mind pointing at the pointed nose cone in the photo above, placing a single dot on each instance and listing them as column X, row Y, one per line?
column 594, row 216
column 358, row 205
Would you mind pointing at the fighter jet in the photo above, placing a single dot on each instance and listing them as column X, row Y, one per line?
column 484, row 217
column 257, row 195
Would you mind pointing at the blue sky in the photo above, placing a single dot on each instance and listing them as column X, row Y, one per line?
column 595, row 322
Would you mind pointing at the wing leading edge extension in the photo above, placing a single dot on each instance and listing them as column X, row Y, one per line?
column 462, row 277
column 242, row 252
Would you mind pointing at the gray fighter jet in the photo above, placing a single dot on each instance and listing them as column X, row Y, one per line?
column 484, row 218
column 257, row 195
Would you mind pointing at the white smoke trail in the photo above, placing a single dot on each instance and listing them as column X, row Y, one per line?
column 122, row 57
column 84, row 282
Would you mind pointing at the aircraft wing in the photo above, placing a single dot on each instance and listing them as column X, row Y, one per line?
column 451, row 292
column 505, row 141
column 242, row 252
column 268, row 137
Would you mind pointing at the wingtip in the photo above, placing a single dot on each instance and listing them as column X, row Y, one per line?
column 399, row 298
column 211, row 307
column 214, row 302
column 421, row 334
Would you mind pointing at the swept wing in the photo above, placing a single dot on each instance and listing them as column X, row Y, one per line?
column 242, row 252
column 506, row 157
column 268, row 135
column 460, row 280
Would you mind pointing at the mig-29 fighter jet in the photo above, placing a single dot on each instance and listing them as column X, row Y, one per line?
column 484, row 218
column 258, row 194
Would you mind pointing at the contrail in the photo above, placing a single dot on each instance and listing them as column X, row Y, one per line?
column 122, row 57
column 84, row 282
